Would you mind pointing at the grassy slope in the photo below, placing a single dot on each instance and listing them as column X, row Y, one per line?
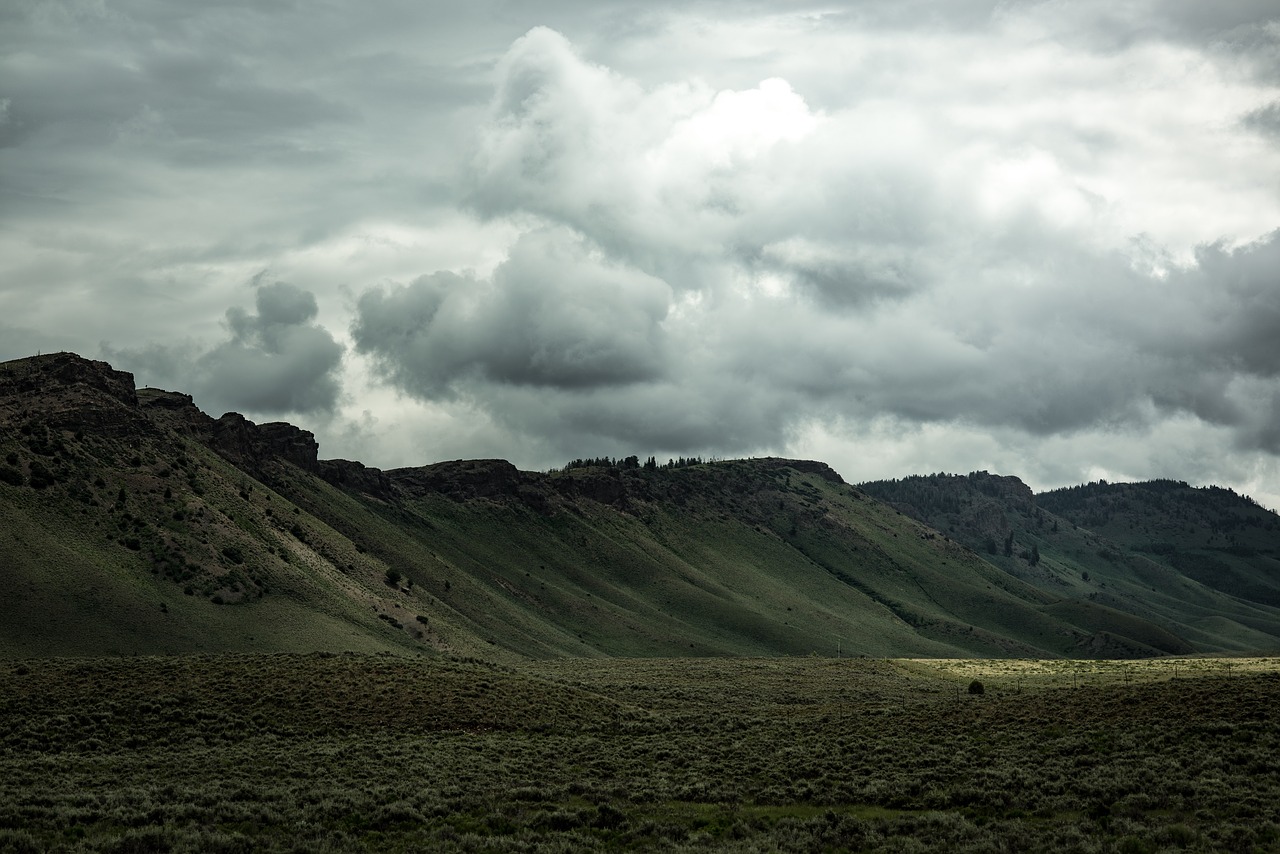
column 142, row 539
column 602, row 582
column 749, row 560
column 1105, row 578
column 89, row 574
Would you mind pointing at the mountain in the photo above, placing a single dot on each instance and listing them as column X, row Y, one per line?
column 133, row 523
column 1223, row 540
column 1201, row 564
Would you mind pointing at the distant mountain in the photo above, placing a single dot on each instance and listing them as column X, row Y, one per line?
column 1223, row 540
column 132, row 522
column 1201, row 564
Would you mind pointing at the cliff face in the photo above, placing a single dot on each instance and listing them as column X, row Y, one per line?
column 66, row 392
column 821, row 469
column 459, row 479
column 63, row 391
column 356, row 477
column 253, row 446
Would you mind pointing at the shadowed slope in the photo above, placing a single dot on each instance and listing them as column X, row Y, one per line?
column 135, row 523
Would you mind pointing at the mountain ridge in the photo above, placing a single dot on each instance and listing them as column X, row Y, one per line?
column 138, row 523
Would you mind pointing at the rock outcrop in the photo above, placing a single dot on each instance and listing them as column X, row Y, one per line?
column 356, row 477
column 822, row 470
column 252, row 446
column 460, row 479
column 64, row 391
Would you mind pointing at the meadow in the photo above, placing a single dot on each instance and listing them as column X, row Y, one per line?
column 329, row 752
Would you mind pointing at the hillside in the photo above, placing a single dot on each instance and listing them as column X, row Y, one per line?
column 1199, row 564
column 1221, row 539
column 134, row 523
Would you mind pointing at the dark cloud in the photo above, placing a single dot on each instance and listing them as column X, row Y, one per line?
column 551, row 316
column 1265, row 120
column 279, row 304
column 801, row 268
column 1242, row 332
column 276, row 361
column 963, row 235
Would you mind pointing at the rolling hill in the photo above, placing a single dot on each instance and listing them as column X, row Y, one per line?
column 133, row 523
column 1199, row 564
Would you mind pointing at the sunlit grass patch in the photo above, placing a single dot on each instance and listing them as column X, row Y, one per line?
column 1065, row 671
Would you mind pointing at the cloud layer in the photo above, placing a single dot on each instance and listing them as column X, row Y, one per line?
column 792, row 265
column 1034, row 237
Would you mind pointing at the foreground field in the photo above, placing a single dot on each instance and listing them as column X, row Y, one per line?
column 325, row 752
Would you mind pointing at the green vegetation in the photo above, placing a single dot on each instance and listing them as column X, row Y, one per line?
column 1222, row 540
column 133, row 523
column 377, row 752
column 1153, row 568
column 615, row 655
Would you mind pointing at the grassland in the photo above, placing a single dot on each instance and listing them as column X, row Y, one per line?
column 327, row 752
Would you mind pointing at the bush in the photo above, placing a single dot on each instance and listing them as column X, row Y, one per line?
column 393, row 577
column 975, row 687
column 41, row 476
column 11, row 476
column 19, row 841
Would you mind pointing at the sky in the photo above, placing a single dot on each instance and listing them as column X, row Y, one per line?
column 1033, row 238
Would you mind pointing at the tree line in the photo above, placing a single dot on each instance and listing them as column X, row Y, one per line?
column 632, row 462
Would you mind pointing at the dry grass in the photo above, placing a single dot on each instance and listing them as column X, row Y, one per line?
column 348, row 752
column 1015, row 673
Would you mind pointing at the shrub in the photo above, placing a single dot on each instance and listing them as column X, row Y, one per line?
column 11, row 476
column 19, row 841
column 393, row 577
column 975, row 687
column 41, row 476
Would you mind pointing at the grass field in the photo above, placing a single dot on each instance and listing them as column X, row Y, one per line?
column 339, row 752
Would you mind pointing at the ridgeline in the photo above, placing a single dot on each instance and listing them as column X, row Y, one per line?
column 133, row 523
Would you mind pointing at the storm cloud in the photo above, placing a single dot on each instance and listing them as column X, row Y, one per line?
column 275, row 362
column 551, row 316
column 803, row 264
column 1037, row 238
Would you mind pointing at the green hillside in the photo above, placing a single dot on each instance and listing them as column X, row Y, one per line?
column 1223, row 540
column 133, row 523
column 1110, row 554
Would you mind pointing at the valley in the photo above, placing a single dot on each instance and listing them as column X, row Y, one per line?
column 214, row 640
column 378, row 752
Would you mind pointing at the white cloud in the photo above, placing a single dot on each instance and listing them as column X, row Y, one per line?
column 702, row 228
